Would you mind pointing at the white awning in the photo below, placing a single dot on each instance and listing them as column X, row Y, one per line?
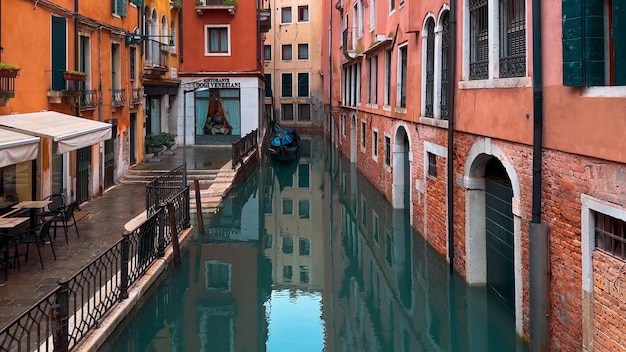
column 67, row 131
column 17, row 148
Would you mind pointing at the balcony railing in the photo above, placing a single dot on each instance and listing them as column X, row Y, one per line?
column 118, row 97
column 88, row 99
column 203, row 5
column 265, row 20
column 137, row 96
column 349, row 43
column 156, row 56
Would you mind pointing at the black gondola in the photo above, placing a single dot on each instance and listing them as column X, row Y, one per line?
column 284, row 143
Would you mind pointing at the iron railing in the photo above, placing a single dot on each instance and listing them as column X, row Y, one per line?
column 163, row 188
column 62, row 318
column 243, row 146
column 137, row 96
column 156, row 54
column 88, row 99
column 118, row 97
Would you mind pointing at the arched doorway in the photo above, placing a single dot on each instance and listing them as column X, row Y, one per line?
column 401, row 190
column 493, row 225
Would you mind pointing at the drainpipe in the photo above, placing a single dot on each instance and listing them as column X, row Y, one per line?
column 77, row 108
column 539, row 243
column 100, row 110
column 450, row 166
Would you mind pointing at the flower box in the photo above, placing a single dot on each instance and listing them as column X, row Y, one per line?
column 74, row 76
column 9, row 71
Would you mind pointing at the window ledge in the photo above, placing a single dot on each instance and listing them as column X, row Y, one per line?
column 386, row 108
column 605, row 92
column 434, row 122
column 517, row 82
column 400, row 110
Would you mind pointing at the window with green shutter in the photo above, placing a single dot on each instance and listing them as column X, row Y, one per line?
column 118, row 7
column 594, row 37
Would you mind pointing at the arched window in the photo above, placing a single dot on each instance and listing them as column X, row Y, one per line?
column 430, row 68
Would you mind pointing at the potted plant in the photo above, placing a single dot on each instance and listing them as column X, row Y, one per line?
column 169, row 140
column 199, row 2
column 176, row 4
column 7, row 70
column 74, row 76
column 154, row 144
column 230, row 3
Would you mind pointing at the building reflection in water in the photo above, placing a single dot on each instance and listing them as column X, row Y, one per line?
column 309, row 256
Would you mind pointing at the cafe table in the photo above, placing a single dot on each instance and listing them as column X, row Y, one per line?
column 9, row 223
column 33, row 205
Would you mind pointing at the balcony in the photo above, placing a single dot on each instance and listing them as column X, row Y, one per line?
column 7, row 85
column 137, row 96
column 88, row 99
column 118, row 97
column 265, row 20
column 349, row 43
column 206, row 5
column 66, row 84
column 156, row 58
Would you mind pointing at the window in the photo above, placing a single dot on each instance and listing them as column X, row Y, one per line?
column 507, row 21
column 610, row 235
column 360, row 21
column 375, row 227
column 303, row 176
column 304, row 246
column 372, row 80
column 387, row 100
column 217, row 41
column 343, row 125
column 287, row 206
column 445, row 66
column 303, row 85
column 287, row 273
column 286, row 112
column 303, row 13
column 402, row 67
column 388, row 249
column 363, row 134
column 375, row 143
column 593, row 55
column 304, row 209
column 268, row 241
column 364, row 212
column 287, row 85
column 303, row 51
column 267, row 52
column 287, row 246
column 285, row 15
column 304, row 274
column 133, row 62
column 387, row 151
column 305, row 148
column 368, row 91
column 268, row 84
column 372, row 7
column 430, row 68
column 304, row 112
column 432, row 165
column 286, row 52
column 119, row 7
column 392, row 5
column 217, row 275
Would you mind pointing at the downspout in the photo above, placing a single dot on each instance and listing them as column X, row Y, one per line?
column 180, row 37
column 539, row 242
column 100, row 111
column 451, row 118
column 76, row 62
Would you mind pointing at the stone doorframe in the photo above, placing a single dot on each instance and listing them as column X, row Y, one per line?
column 475, row 238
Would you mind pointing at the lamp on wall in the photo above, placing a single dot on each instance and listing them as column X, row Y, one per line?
column 133, row 38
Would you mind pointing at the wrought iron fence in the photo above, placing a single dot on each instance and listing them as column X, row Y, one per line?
column 88, row 98
column 61, row 319
column 163, row 188
column 243, row 146
column 137, row 96
column 118, row 97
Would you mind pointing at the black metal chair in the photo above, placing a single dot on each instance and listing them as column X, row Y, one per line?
column 65, row 218
column 38, row 236
column 6, row 244
column 56, row 205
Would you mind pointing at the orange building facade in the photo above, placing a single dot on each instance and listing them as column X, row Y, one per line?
column 456, row 141
column 72, row 60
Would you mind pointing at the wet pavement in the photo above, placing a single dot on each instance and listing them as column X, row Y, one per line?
column 101, row 226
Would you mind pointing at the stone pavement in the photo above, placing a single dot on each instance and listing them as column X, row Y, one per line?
column 103, row 225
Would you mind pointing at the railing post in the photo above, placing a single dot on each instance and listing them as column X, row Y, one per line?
column 174, row 232
column 60, row 317
column 161, row 239
column 125, row 265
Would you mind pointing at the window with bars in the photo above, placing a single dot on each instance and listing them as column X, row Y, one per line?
column 445, row 65
column 375, row 143
column 430, row 68
column 512, row 38
column 610, row 235
column 363, row 134
column 432, row 165
column 387, row 151
column 479, row 38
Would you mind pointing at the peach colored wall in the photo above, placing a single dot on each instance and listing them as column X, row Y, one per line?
column 243, row 41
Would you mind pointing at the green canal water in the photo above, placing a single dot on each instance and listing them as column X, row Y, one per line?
column 308, row 256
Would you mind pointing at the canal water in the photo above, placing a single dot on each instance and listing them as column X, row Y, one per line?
column 308, row 256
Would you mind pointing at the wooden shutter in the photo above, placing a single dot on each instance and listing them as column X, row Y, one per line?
column 619, row 41
column 121, row 8
column 59, row 52
column 594, row 69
